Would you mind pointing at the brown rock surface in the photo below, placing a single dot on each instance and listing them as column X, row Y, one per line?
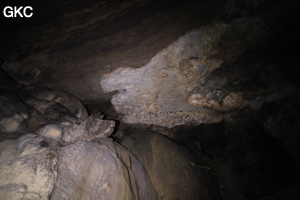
column 93, row 38
column 220, row 78
column 172, row 170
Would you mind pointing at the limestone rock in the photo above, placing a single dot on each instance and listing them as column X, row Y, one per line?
column 90, row 128
column 162, row 63
column 170, row 169
column 72, row 48
column 140, row 180
column 52, row 131
column 201, row 77
column 32, row 168
column 51, row 110
column 70, row 102
column 27, row 168
column 89, row 170
column 14, row 115
column 19, row 116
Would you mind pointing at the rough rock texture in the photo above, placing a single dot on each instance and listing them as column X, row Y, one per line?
column 14, row 115
column 69, row 160
column 70, row 102
column 204, row 75
column 89, row 170
column 21, row 112
column 32, row 168
column 91, row 128
column 139, row 176
column 236, row 56
column 172, row 171
column 223, row 74
column 27, row 168
column 69, row 45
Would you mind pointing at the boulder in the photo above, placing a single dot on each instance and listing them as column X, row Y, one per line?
column 27, row 168
column 174, row 173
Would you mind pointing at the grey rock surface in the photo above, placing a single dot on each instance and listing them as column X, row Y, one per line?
column 139, row 177
column 39, row 167
column 14, row 115
column 194, row 80
column 89, row 170
column 22, row 112
column 74, row 47
column 27, row 168
column 72, row 103
column 90, row 128
column 220, row 78
column 66, row 157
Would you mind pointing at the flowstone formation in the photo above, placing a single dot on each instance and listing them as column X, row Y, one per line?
column 202, row 77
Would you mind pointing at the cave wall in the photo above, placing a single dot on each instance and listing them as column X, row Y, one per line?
column 151, row 100
column 81, row 41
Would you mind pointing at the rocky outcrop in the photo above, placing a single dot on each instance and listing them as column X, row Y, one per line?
column 27, row 168
column 92, row 170
column 72, row 159
column 23, row 111
column 79, row 41
column 91, row 128
column 65, row 157
column 37, row 167
column 204, row 75
column 222, row 81
column 72, row 103
column 216, row 68
column 174, row 172
column 14, row 115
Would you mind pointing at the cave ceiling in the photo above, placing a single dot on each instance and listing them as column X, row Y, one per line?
column 167, row 63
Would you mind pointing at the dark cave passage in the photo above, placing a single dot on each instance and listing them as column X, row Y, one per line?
column 150, row 100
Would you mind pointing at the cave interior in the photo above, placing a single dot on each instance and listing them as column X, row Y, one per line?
column 150, row 100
